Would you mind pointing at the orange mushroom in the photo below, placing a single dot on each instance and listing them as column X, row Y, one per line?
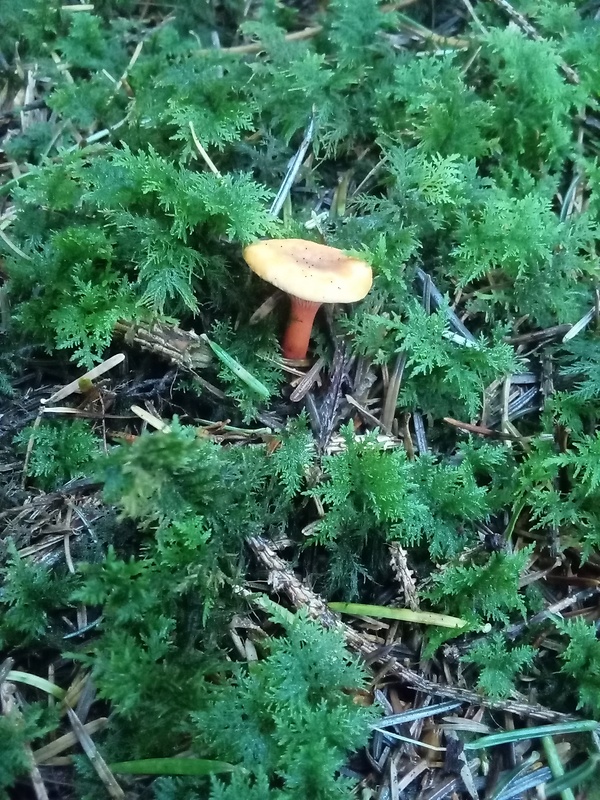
column 311, row 274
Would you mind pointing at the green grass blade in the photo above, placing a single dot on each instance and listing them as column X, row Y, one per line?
column 171, row 766
column 237, row 369
column 37, row 682
column 404, row 614
column 494, row 739
column 573, row 778
column 555, row 764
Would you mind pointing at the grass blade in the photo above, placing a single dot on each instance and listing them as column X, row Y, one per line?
column 171, row 766
column 504, row 786
column 37, row 682
column 404, row 614
column 237, row 369
column 530, row 780
column 103, row 771
column 416, row 713
column 572, row 778
column 494, row 739
column 555, row 764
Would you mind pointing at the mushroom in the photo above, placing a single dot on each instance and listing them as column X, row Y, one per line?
column 311, row 274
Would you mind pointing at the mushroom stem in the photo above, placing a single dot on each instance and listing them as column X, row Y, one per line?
column 297, row 335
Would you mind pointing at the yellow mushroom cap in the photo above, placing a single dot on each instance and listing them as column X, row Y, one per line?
column 310, row 271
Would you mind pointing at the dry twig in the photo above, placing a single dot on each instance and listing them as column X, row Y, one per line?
column 404, row 575
column 283, row 579
column 99, row 764
column 185, row 349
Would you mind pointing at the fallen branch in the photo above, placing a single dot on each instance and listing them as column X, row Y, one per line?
column 404, row 575
column 185, row 349
column 282, row 578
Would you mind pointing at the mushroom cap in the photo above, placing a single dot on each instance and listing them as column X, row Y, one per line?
column 310, row 271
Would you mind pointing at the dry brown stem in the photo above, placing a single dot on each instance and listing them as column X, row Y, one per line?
column 404, row 575
column 185, row 349
column 282, row 578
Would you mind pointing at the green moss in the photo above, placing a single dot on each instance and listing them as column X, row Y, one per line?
column 458, row 161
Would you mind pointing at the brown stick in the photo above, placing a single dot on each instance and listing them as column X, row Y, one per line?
column 183, row 348
column 404, row 575
column 282, row 578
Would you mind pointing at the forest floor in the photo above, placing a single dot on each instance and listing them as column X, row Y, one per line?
column 233, row 570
